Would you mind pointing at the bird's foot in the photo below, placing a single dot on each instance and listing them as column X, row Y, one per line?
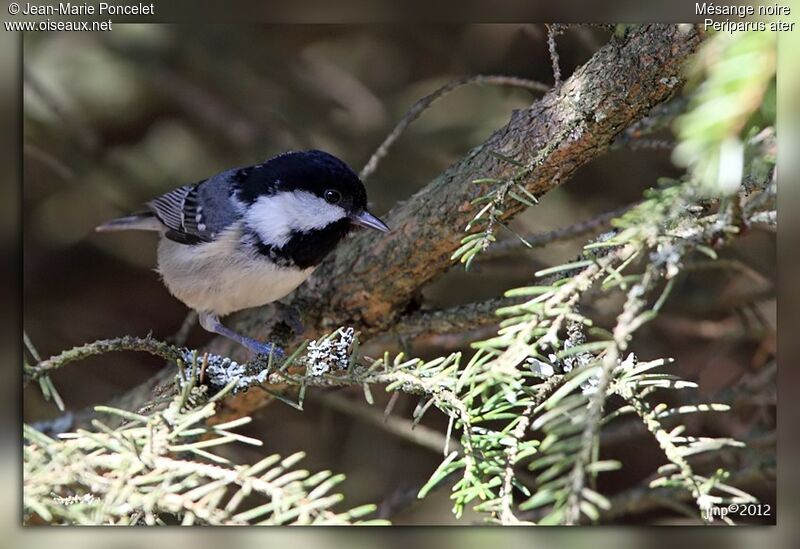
column 260, row 348
column 211, row 322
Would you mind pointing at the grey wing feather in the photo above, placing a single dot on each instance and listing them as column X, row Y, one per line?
column 196, row 213
column 177, row 210
column 190, row 214
column 169, row 206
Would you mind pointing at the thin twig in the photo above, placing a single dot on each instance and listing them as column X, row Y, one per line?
column 512, row 452
column 358, row 376
column 640, row 144
column 452, row 320
column 124, row 343
column 540, row 240
column 637, row 136
column 417, row 108
column 554, row 30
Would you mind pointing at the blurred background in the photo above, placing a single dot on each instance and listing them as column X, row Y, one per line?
column 113, row 119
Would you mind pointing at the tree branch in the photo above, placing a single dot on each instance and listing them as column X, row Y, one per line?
column 372, row 278
column 368, row 281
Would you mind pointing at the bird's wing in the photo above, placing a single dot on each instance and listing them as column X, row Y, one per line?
column 179, row 211
column 196, row 213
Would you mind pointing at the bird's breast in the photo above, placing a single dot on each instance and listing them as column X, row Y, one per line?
column 222, row 277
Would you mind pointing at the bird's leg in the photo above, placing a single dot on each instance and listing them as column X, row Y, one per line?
column 211, row 323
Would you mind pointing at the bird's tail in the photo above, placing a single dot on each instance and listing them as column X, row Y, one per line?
column 136, row 222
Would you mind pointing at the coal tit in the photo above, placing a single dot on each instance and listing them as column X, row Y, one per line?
column 249, row 236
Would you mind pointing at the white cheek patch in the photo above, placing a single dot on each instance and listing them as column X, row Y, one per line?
column 275, row 217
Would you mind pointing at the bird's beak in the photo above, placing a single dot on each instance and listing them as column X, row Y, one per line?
column 366, row 219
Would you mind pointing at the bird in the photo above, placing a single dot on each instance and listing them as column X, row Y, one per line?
column 249, row 236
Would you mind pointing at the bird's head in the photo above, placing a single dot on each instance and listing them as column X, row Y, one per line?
column 300, row 195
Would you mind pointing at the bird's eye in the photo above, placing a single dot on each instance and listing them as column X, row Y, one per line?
column 332, row 196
